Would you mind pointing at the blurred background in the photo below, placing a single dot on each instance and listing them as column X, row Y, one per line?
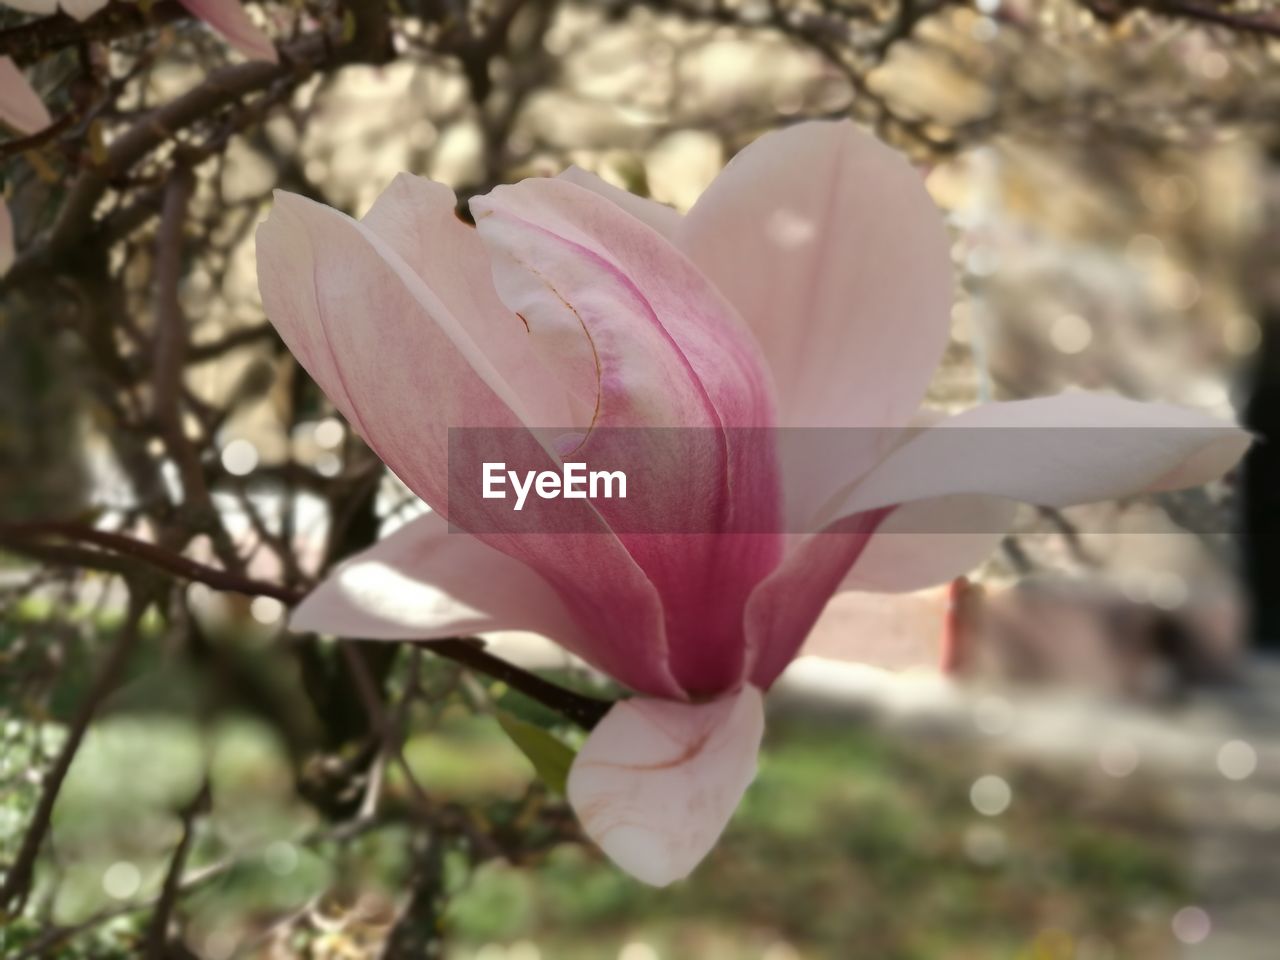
column 180, row 777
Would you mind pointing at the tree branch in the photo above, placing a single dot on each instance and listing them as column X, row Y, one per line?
column 579, row 708
column 157, row 946
column 153, row 556
column 1262, row 22
column 30, row 41
column 17, row 881
column 298, row 61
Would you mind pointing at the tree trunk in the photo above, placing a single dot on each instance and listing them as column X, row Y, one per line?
column 1261, row 472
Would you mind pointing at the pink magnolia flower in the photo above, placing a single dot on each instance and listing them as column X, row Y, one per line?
column 810, row 286
column 21, row 108
column 7, row 252
column 79, row 9
column 227, row 17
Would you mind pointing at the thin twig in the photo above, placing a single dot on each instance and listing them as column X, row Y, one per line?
column 150, row 554
column 34, row 141
column 27, row 41
column 158, row 933
column 1261, row 22
column 579, row 708
column 417, row 931
column 17, row 882
column 382, row 723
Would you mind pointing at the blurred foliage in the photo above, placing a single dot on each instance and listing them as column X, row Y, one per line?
column 848, row 837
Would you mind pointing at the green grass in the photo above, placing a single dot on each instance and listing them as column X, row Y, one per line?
column 854, row 844
column 850, row 843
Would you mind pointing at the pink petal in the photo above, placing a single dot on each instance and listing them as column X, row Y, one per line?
column 6, row 238
column 41, row 7
column 82, row 9
column 656, row 782
column 558, row 248
column 403, row 369
column 20, row 107
column 665, row 220
column 1023, row 450
column 928, row 542
column 374, row 336
column 786, row 604
column 423, row 582
column 1011, row 451
column 417, row 219
column 643, row 340
column 831, row 249
column 228, row 18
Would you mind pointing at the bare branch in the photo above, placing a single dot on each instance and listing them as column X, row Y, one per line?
column 157, row 944
column 153, row 556
column 18, row 877
column 583, row 710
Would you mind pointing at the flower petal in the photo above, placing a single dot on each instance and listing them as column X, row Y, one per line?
column 1010, row 452
column 372, row 334
column 424, row 582
column 20, row 107
column 417, row 219
column 40, row 7
column 587, row 271
column 229, row 18
column 1053, row 451
column 404, row 370
column 7, row 251
column 658, row 216
column 785, row 605
column 656, row 782
column 82, row 9
column 833, row 252
column 646, row 342
column 928, row 542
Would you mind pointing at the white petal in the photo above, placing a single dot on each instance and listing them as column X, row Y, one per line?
column 1055, row 452
column 42, row 7
column 829, row 245
column 656, row 782
column 660, row 217
column 6, row 238
column 417, row 219
column 423, row 583
column 20, row 106
column 230, row 19
column 82, row 9
column 929, row 542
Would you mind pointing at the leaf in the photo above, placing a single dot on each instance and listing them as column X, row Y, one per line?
column 97, row 144
column 551, row 758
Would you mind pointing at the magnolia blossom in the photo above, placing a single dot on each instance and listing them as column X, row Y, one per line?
column 21, row 108
column 810, row 286
column 227, row 17
column 7, row 251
